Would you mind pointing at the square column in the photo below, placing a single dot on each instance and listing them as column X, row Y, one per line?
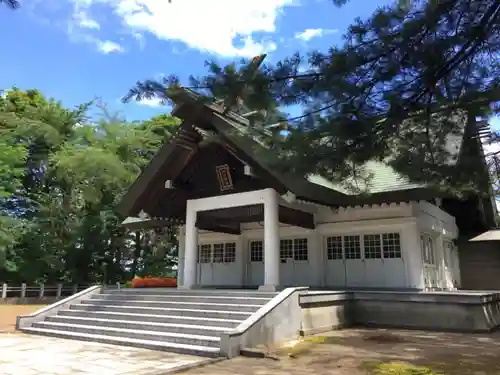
column 181, row 257
column 190, row 250
column 412, row 255
column 271, row 242
column 440, row 262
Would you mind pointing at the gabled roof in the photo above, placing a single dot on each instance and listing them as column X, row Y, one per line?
column 384, row 186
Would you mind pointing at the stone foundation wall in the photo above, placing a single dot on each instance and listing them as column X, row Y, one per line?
column 324, row 312
column 439, row 311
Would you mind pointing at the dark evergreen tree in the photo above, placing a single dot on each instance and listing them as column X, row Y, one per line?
column 404, row 83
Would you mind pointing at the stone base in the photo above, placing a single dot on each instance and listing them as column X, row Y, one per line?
column 268, row 288
column 462, row 311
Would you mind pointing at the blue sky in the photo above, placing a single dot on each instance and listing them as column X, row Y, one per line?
column 76, row 50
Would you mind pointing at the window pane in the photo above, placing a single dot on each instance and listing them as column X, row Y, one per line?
column 256, row 251
column 373, row 246
column 205, row 253
column 286, row 249
column 430, row 242
column 230, row 252
column 352, row 247
column 334, row 248
column 300, row 249
column 218, row 253
column 392, row 245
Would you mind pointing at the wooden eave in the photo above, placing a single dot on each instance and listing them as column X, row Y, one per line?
column 184, row 141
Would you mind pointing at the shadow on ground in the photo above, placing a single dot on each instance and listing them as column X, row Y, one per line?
column 361, row 351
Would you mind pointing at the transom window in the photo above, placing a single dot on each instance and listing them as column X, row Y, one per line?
column 352, row 247
column 230, row 252
column 217, row 253
column 391, row 243
column 256, row 251
column 375, row 246
column 334, row 248
column 286, row 249
column 205, row 253
column 296, row 249
column 300, row 250
column 427, row 246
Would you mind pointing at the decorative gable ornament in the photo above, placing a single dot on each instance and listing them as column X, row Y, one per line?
column 224, row 177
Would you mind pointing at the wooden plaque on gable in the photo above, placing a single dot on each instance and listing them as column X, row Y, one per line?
column 224, row 177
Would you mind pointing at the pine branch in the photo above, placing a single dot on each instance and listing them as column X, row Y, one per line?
column 13, row 4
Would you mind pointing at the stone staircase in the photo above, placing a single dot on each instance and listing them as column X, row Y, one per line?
column 182, row 321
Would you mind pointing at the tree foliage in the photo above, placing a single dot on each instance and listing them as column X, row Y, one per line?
column 61, row 175
column 405, row 81
column 13, row 4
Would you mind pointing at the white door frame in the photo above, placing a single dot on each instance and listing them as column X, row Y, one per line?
column 269, row 198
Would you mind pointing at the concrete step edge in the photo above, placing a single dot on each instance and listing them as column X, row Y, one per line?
column 133, row 331
column 113, row 295
column 176, row 303
column 142, row 322
column 204, row 291
column 126, row 341
column 146, row 316
column 165, row 309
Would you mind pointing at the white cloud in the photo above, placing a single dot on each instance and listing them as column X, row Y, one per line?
column 308, row 34
column 207, row 25
column 83, row 20
column 81, row 29
column 153, row 102
column 108, row 46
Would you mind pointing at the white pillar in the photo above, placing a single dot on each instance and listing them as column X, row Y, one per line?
column 456, row 265
column 191, row 249
column 440, row 264
column 271, row 242
column 412, row 255
column 181, row 257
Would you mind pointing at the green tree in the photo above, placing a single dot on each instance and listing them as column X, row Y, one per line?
column 12, row 160
column 64, row 174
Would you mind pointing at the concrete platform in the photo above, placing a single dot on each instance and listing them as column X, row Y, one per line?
column 454, row 311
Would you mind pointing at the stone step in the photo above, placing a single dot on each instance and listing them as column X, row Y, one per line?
column 191, row 292
column 188, row 329
column 177, row 338
column 219, row 314
column 174, row 304
column 173, row 319
column 206, row 351
column 181, row 298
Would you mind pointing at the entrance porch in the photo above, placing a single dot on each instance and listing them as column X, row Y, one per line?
column 218, row 264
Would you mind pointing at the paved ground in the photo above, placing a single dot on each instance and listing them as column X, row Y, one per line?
column 22, row 354
column 353, row 352
column 361, row 352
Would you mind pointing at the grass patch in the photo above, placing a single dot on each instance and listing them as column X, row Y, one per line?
column 397, row 368
column 304, row 346
column 401, row 368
